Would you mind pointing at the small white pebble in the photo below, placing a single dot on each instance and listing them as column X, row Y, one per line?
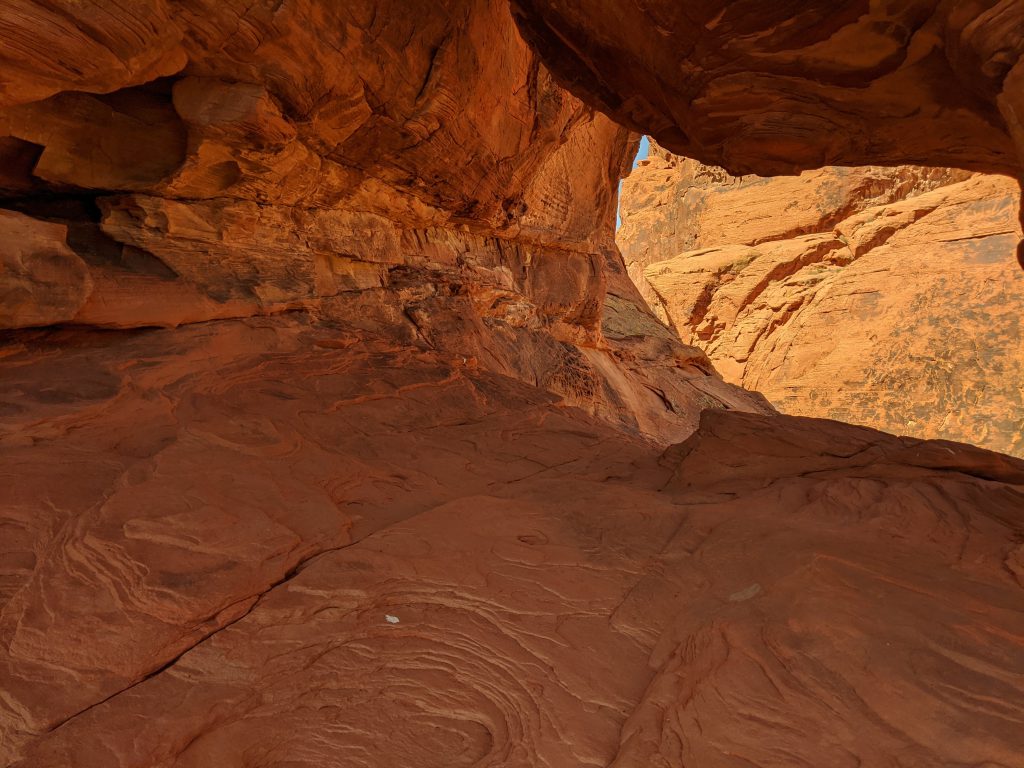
column 390, row 619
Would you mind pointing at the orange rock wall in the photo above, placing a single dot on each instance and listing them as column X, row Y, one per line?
column 402, row 497
column 872, row 295
column 779, row 88
column 224, row 160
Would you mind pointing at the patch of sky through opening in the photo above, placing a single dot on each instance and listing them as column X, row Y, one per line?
column 641, row 154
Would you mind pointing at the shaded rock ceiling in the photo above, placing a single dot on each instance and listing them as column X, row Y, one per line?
column 775, row 88
column 388, row 485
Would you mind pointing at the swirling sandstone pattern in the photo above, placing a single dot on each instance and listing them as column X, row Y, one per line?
column 874, row 295
column 352, row 448
column 264, row 542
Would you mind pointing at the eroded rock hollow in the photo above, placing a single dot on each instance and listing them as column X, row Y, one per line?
column 333, row 432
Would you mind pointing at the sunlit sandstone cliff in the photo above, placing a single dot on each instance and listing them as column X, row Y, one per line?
column 333, row 433
column 881, row 296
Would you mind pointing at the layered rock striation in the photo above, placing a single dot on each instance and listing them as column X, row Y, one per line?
column 333, row 432
column 779, row 89
column 879, row 296
column 230, row 160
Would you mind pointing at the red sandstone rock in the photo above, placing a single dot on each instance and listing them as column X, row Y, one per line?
column 377, row 530
column 255, row 180
column 42, row 281
column 671, row 205
column 780, row 88
column 241, row 141
column 265, row 541
column 872, row 295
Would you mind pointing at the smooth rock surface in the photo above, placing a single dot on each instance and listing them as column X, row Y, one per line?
column 387, row 483
column 207, row 569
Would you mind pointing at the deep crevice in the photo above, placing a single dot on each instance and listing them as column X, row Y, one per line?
column 80, row 213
